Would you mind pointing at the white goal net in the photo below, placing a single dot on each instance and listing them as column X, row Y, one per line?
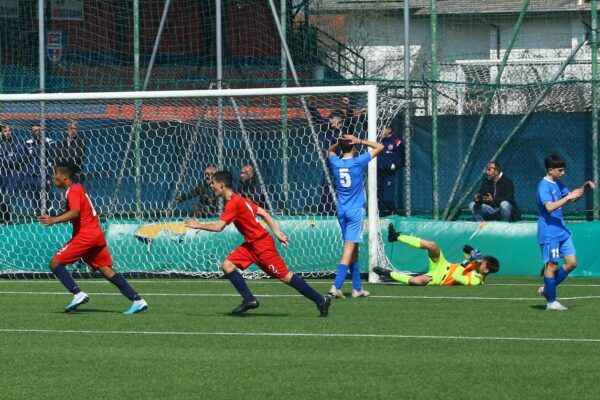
column 145, row 158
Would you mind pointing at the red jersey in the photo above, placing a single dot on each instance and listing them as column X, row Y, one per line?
column 87, row 224
column 242, row 212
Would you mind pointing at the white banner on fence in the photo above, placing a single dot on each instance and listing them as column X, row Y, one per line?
column 9, row 9
column 68, row 10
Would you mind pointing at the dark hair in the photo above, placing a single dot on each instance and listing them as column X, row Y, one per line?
column 496, row 165
column 492, row 263
column 344, row 146
column 554, row 161
column 223, row 177
column 68, row 168
column 35, row 124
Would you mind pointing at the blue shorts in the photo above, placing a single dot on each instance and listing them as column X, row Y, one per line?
column 352, row 223
column 554, row 251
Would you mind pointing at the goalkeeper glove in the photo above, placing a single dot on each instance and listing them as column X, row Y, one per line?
column 475, row 255
column 471, row 254
column 467, row 250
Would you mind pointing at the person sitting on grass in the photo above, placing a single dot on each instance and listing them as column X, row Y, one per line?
column 472, row 271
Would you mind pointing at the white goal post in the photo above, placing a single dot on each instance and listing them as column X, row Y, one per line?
column 204, row 111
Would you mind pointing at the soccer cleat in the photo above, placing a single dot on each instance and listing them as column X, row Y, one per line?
column 78, row 299
column 555, row 306
column 382, row 271
column 542, row 292
column 360, row 293
column 245, row 306
column 136, row 307
column 392, row 234
column 324, row 306
column 337, row 293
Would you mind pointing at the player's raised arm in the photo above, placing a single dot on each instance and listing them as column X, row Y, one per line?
column 273, row 225
column 332, row 150
column 572, row 196
column 376, row 147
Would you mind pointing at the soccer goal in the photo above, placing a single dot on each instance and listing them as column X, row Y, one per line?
column 143, row 165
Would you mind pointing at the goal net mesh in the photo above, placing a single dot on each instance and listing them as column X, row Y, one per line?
column 143, row 166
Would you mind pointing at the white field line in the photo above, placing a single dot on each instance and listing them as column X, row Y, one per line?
column 311, row 335
column 296, row 295
column 256, row 281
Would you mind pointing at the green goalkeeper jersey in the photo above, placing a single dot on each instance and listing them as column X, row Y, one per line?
column 443, row 273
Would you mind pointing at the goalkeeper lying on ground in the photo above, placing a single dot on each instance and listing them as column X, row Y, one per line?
column 472, row 271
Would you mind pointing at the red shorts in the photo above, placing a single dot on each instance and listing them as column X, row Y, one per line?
column 262, row 253
column 94, row 253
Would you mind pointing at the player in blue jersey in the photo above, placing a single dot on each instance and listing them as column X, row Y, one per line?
column 553, row 236
column 348, row 172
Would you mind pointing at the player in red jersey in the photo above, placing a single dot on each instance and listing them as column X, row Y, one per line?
column 259, row 247
column 87, row 242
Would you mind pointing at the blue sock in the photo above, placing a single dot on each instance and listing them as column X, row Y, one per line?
column 550, row 289
column 355, row 272
column 561, row 274
column 119, row 281
column 61, row 273
column 300, row 285
column 340, row 277
column 237, row 280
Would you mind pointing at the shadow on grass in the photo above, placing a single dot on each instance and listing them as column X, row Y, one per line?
column 283, row 315
column 89, row 311
column 539, row 307
column 248, row 315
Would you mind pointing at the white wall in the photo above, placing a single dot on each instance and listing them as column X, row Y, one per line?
column 380, row 39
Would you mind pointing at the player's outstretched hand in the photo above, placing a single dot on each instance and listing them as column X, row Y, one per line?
column 191, row 223
column 589, row 185
column 46, row 220
column 575, row 194
column 282, row 237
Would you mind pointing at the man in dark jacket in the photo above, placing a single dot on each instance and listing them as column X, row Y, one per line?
column 207, row 205
column 32, row 168
column 496, row 197
column 11, row 154
column 249, row 188
column 389, row 163
column 72, row 148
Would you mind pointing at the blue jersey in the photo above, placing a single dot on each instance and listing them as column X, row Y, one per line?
column 349, row 177
column 551, row 225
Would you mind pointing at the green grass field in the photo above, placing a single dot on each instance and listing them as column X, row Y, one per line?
column 492, row 342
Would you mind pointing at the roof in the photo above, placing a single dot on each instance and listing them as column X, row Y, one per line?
column 342, row 5
column 444, row 7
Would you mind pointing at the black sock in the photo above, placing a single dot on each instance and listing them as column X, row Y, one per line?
column 298, row 283
column 119, row 281
column 61, row 273
column 237, row 280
